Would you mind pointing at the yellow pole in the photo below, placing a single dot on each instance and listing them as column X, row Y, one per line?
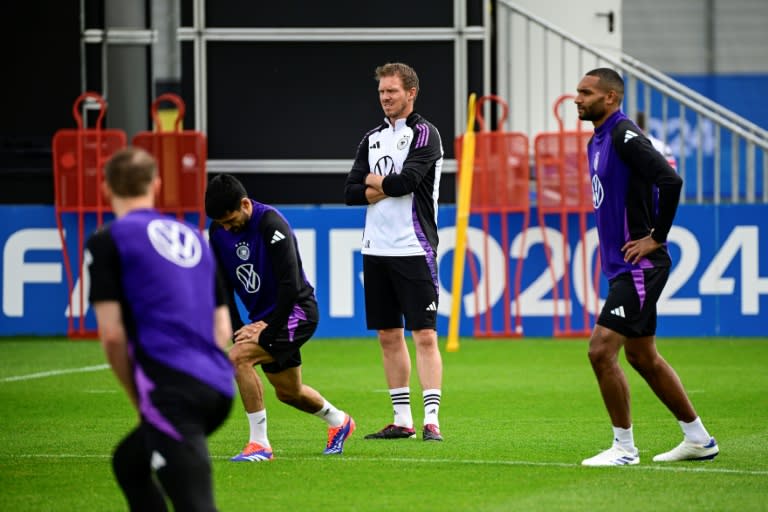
column 462, row 222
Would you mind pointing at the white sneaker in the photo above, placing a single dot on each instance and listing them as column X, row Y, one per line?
column 688, row 450
column 613, row 456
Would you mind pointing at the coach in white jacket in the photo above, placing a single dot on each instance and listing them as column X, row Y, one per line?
column 397, row 174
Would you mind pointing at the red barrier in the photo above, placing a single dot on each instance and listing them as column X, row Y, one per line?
column 563, row 188
column 500, row 188
column 78, row 162
column 181, row 156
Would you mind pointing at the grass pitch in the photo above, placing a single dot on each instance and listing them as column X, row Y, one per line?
column 518, row 417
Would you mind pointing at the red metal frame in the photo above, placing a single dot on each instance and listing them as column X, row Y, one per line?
column 181, row 156
column 563, row 189
column 78, row 161
column 500, row 187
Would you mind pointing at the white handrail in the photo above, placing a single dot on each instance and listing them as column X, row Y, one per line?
column 518, row 43
column 703, row 100
column 678, row 92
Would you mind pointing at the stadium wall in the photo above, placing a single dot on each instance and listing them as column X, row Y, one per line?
column 718, row 285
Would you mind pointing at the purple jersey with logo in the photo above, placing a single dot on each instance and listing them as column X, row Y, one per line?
column 163, row 274
column 635, row 193
column 262, row 265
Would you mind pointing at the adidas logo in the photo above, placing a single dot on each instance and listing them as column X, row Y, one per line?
column 277, row 237
column 619, row 311
column 432, row 306
column 629, row 135
column 376, row 145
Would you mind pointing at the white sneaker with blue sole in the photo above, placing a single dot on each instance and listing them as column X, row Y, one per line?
column 688, row 450
column 613, row 456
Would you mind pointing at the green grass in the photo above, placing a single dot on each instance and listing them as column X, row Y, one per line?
column 518, row 417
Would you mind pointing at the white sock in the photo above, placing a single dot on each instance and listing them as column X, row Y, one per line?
column 401, row 403
column 330, row 414
column 431, row 406
column 258, row 424
column 624, row 438
column 695, row 431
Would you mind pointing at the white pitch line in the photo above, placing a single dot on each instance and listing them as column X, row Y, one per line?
column 51, row 373
column 349, row 459
column 681, row 469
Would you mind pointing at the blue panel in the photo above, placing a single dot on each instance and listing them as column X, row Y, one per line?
column 718, row 285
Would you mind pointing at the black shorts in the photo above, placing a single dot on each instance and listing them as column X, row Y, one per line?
column 181, row 405
column 630, row 308
column 284, row 348
column 171, row 438
column 397, row 287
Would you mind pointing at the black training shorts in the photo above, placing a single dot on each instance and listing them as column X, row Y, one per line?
column 397, row 287
column 630, row 308
column 284, row 348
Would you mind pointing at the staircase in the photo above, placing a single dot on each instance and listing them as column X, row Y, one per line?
column 722, row 157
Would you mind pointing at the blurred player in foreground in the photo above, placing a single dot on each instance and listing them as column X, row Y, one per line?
column 163, row 323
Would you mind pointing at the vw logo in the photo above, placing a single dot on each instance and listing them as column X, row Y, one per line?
column 248, row 278
column 597, row 192
column 175, row 242
column 384, row 166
